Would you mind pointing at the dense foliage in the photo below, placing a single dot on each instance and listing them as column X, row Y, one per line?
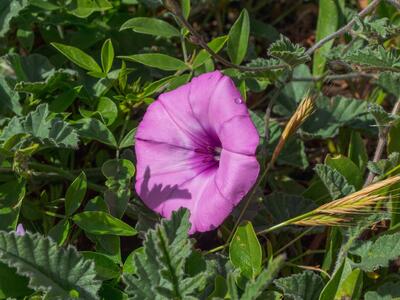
column 322, row 82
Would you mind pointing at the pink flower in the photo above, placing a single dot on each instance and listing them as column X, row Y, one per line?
column 195, row 148
column 20, row 230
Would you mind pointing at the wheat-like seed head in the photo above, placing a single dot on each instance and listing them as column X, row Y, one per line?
column 303, row 111
column 341, row 211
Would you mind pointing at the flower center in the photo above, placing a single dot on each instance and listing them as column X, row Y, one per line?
column 210, row 154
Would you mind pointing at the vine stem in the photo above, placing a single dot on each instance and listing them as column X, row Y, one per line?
column 346, row 28
column 64, row 173
column 381, row 143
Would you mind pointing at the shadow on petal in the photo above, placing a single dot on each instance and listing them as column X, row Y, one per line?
column 159, row 194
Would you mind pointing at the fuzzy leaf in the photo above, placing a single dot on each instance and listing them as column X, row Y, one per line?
column 57, row 272
column 379, row 57
column 384, row 165
column 335, row 182
column 378, row 253
column 292, row 54
column 254, row 288
column 41, row 127
column 387, row 291
column 10, row 9
column 160, row 269
column 303, row 286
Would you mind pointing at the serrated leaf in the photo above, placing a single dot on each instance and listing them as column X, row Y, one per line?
column 384, row 165
column 285, row 50
column 245, row 251
column 102, row 223
column 94, row 129
column 78, row 57
column 335, row 182
column 331, row 114
column 65, row 273
column 41, row 127
column 387, row 291
column 304, row 286
column 160, row 270
column 151, row 26
column 279, row 207
column 374, row 57
column 382, row 117
column 10, row 9
column 376, row 254
column 9, row 99
column 254, row 288
column 239, row 38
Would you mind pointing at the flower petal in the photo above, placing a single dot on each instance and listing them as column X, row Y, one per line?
column 236, row 174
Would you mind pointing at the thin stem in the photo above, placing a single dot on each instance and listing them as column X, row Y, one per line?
column 175, row 9
column 381, row 143
column 345, row 28
column 66, row 174
column 354, row 75
column 294, row 240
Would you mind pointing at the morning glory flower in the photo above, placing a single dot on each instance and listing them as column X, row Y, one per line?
column 195, row 148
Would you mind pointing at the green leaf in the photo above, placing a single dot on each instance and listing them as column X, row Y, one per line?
column 12, row 285
column 157, row 60
column 383, row 166
column 216, row 45
column 42, row 127
column 151, row 26
column 382, row 118
column 10, row 9
column 387, row 291
column 105, row 267
column 107, row 56
column 390, row 82
column 78, row 57
column 329, row 19
column 41, row 260
column 94, row 129
column 347, row 168
column 59, row 233
column 254, row 288
column 98, row 222
column 118, row 173
column 331, row 289
column 374, row 57
column 285, row 50
column 239, row 38
column 378, row 253
column 84, row 8
column 232, row 289
column 393, row 141
column 281, row 206
column 129, row 264
column 11, row 195
column 304, row 286
column 331, row 114
column 335, row 182
column 75, row 194
column 160, row 270
column 245, row 251
column 358, row 151
column 128, row 140
column 9, row 99
column 106, row 111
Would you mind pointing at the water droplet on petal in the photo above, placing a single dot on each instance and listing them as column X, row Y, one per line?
column 238, row 101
